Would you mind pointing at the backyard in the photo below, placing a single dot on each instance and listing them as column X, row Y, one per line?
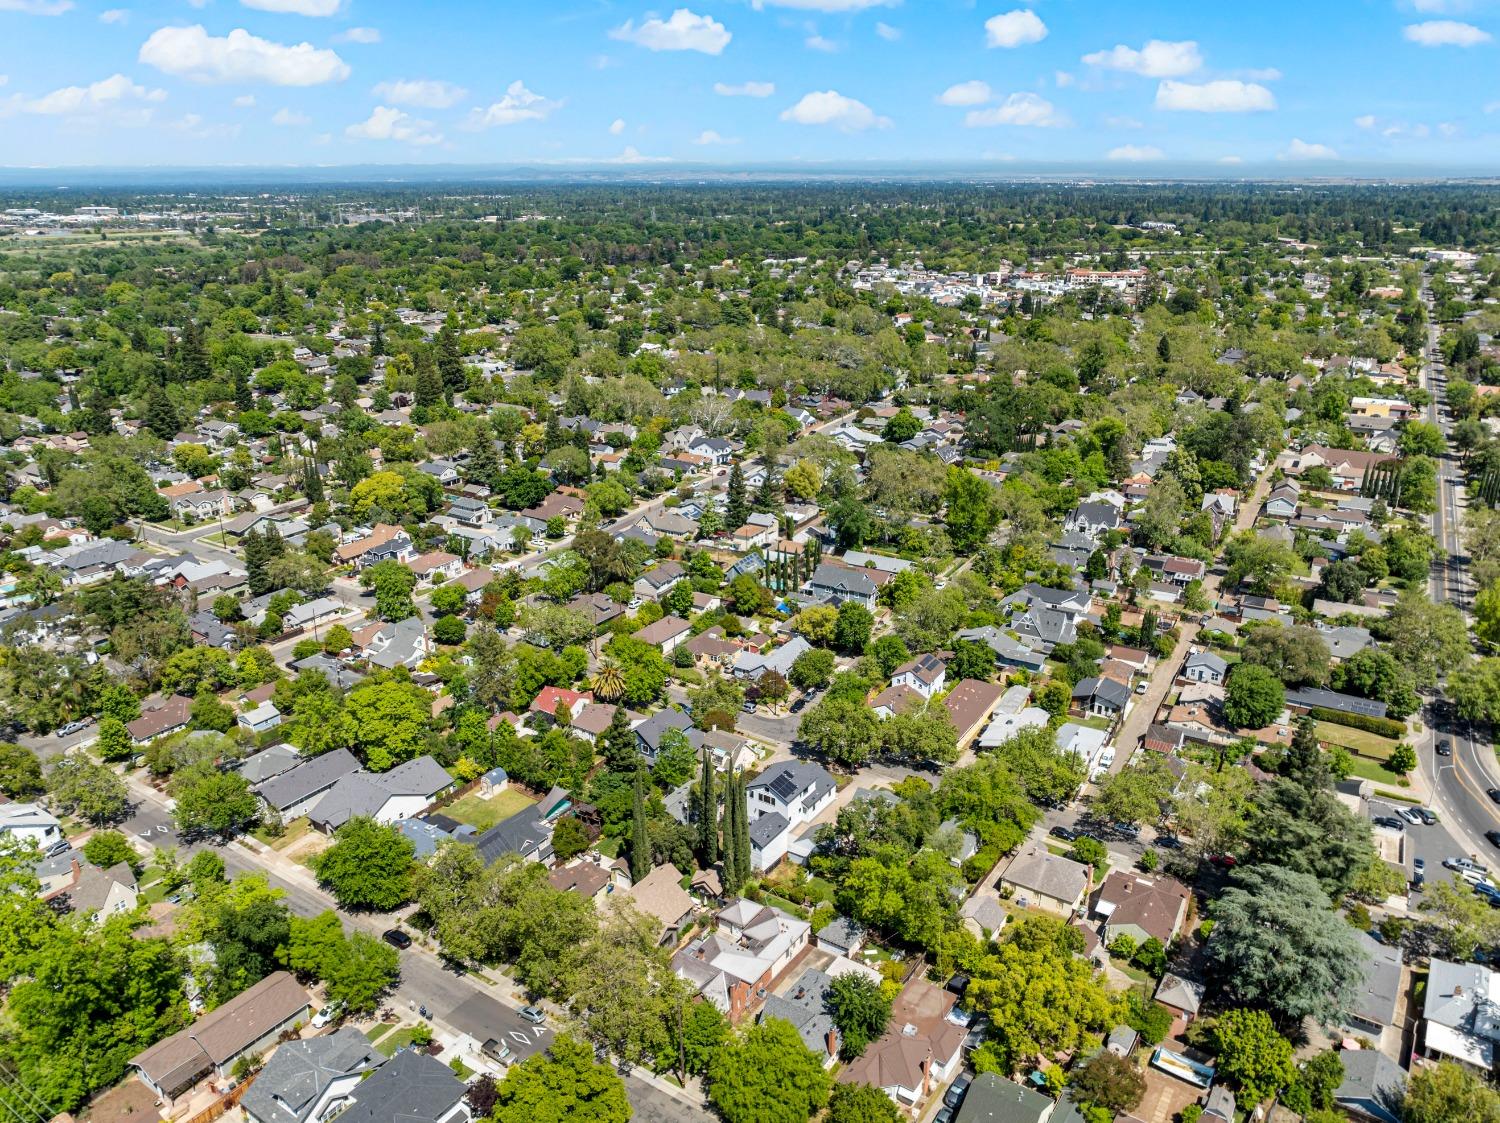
column 482, row 814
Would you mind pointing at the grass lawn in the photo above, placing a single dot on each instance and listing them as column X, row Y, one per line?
column 388, row 1044
column 297, row 829
column 1372, row 770
column 376, row 1032
column 1092, row 721
column 1360, row 741
column 460, row 1070
column 482, row 814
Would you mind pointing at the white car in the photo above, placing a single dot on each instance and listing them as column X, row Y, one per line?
column 327, row 1015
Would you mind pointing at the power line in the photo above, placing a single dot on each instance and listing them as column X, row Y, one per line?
column 30, row 1108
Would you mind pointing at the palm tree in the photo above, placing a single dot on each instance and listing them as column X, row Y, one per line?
column 608, row 683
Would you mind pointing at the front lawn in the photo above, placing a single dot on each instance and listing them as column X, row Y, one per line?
column 292, row 832
column 482, row 814
column 1359, row 741
column 403, row 1037
column 1372, row 770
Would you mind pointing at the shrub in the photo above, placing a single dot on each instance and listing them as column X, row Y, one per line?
column 1382, row 726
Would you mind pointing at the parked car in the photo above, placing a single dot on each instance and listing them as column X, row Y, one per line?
column 957, row 1090
column 1141, row 687
column 1225, row 861
column 1168, row 842
column 533, row 1014
column 1418, row 873
column 1427, row 815
column 396, row 938
column 1389, row 821
column 497, row 1051
column 71, row 728
column 748, row 707
column 1463, row 863
column 944, row 1115
column 1067, row 834
column 1410, row 814
column 327, row 1015
column 1126, row 830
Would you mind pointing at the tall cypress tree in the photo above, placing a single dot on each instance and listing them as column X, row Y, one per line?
column 377, row 343
column 737, row 510
column 243, row 397
column 708, row 814
column 742, row 826
column 640, row 840
column 450, row 363
column 484, row 464
column 255, row 563
column 619, row 743
column 429, row 382
column 312, row 482
column 727, row 854
column 160, row 415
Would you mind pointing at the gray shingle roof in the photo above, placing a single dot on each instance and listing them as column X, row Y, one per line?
column 411, row 1087
column 299, row 1072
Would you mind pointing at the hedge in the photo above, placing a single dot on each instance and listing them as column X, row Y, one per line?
column 1382, row 726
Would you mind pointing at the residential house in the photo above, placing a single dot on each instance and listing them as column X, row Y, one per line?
column 402, row 793
column 1308, row 698
column 969, row 705
column 295, row 792
column 168, row 715
column 312, row 614
column 1009, row 651
column 245, row 1026
column 1373, row 1014
column 1102, row 697
column 736, row 964
column 1283, row 501
column 665, row 633
column 544, row 707
column 1461, row 1014
column 1182, row 996
column 750, row 664
column 649, row 733
column 438, row 565
column 411, row 1087
column 596, row 879
column 921, row 1048
column 805, row 1006
column 1093, row 519
column 260, row 719
column 1373, row 1088
column 30, row 822
column 98, row 893
column 660, row 896
column 527, row 833
column 1141, row 907
column 383, row 543
column 895, row 700
column 836, row 584
column 1048, row 881
column 925, row 674
column 600, row 608
column 993, row 1099
column 786, row 795
column 385, row 645
column 1205, row 667
column 310, row 1081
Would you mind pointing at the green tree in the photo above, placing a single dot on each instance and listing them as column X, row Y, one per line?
column 563, row 1085
column 368, row 866
column 20, row 772
column 851, row 632
column 766, row 1075
column 1253, row 1054
column 737, row 508
column 160, row 415
column 843, row 730
column 1402, row 760
column 364, row 970
column 1448, row 1092
column 860, row 1009
column 393, row 584
column 1297, row 655
column 1253, row 697
column 860, row 1103
column 971, row 513
column 388, row 719
column 640, row 836
column 1137, row 794
column 82, row 787
column 1110, row 1081
column 1276, row 945
column 108, row 848
column 212, row 802
column 812, row 670
column 114, row 741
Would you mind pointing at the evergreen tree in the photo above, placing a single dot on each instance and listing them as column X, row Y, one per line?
column 96, row 419
column 160, row 415
column 768, row 495
column 640, row 839
column 742, row 826
column 377, row 342
column 554, row 434
column 429, row 382
column 254, row 546
column 708, row 814
column 312, row 481
column 192, row 354
column 244, row 398
column 450, row 364
column 619, row 743
column 1164, row 350
column 726, row 854
column 484, row 464
column 281, row 302
column 738, row 510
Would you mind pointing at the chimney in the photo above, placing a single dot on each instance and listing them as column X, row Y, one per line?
column 1458, row 991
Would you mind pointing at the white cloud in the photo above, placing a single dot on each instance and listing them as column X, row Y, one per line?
column 1262, row 74
column 290, row 118
column 358, row 35
column 1014, row 29
column 745, row 89
column 1025, row 110
column 37, row 7
column 1135, row 153
column 1124, row 123
column 519, row 104
column 192, row 125
column 974, row 92
column 1226, row 95
column 1448, row 129
column 826, row 5
column 1062, row 79
column 1231, row 160
column 389, row 123
column 886, row 31
column 296, row 7
column 617, row 126
column 816, row 42
column 190, row 52
column 684, row 31
column 631, row 156
column 1441, row 7
column 709, row 136
column 1366, row 121
column 244, row 101
column 829, row 107
column 426, row 93
column 108, row 93
column 1302, row 150
column 114, row 15
column 1445, row 33
column 1157, row 59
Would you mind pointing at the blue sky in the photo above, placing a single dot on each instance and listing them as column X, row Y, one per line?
column 1144, row 87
